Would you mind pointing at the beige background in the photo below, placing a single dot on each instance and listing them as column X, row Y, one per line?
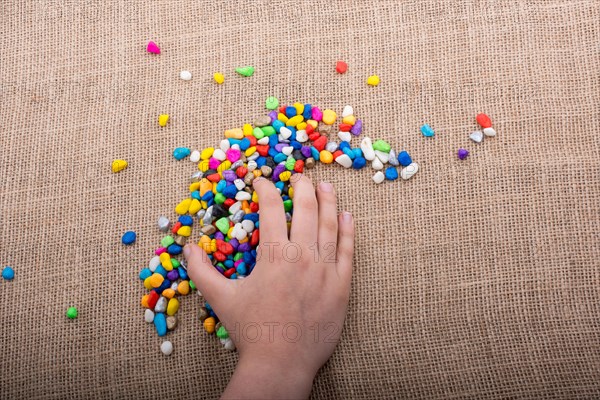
column 476, row 279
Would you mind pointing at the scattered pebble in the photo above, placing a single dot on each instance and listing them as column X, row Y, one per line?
column 462, row 154
column 391, row 173
column 404, row 159
column 72, row 313
column 153, row 48
column 341, row 67
column 149, row 316
column 271, row 103
column 8, row 273
column 163, row 119
column 163, row 223
column 167, row 348
column 484, row 121
column 119, row 165
column 427, row 131
column 185, row 75
column 195, row 157
column 476, row 136
column 373, row 80
column 181, row 152
column 489, row 132
column 128, row 237
column 219, row 77
column 378, row 177
column 410, row 171
column 245, row 71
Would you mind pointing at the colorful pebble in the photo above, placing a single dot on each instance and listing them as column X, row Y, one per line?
column 128, row 237
column 8, row 273
column 219, row 78
column 245, row 71
column 476, row 136
column 427, row 131
column 72, row 313
column 152, row 48
column 462, row 154
column 163, row 119
column 181, row 152
column 373, row 80
column 118, row 165
column 341, row 67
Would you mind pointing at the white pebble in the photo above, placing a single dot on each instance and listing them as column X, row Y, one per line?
column 235, row 207
column 345, row 136
column 252, row 165
column 378, row 177
column 383, row 157
column 224, row 145
column 219, row 154
column 344, row 160
column 409, row 171
column 287, row 150
column 393, row 158
column 301, row 136
column 238, row 232
column 331, row 147
column 367, row 148
column 247, row 225
column 174, row 287
column 263, row 141
column 196, row 176
column 235, row 147
column 163, row 223
column 476, row 136
column 489, row 132
column 167, row 348
column 241, row 196
column 254, row 156
column 229, row 345
column 347, row 111
column 285, row 133
column 239, row 184
column 185, row 75
column 161, row 304
column 149, row 316
column 154, row 263
column 195, row 156
column 377, row 164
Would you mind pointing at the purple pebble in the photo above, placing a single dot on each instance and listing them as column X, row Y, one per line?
column 229, row 175
column 279, row 168
column 234, row 243
column 244, row 247
column 357, row 128
column 305, row 150
column 462, row 154
column 172, row 275
column 280, row 146
column 273, row 115
column 219, row 235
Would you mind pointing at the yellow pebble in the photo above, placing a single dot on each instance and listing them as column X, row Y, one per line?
column 326, row 157
column 235, row 133
column 183, row 288
column 247, row 129
column 204, row 243
column 213, row 245
column 255, row 197
column 144, row 301
column 301, row 126
column 291, row 192
column 312, row 123
column 186, row 230
column 329, row 117
column 219, row 77
column 168, row 293
column 156, row 280
column 229, row 232
column 244, row 240
column 195, row 206
column 165, row 261
column 225, row 165
column 194, row 186
column 209, row 325
column 299, row 108
column 118, row 165
column 204, row 204
column 257, row 173
column 183, row 207
column 285, row 176
column 282, row 118
column 205, row 186
column 172, row 306
column 295, row 120
column 147, row 283
column 207, row 153
column 373, row 80
column 249, row 151
column 350, row 120
column 203, row 165
column 163, row 119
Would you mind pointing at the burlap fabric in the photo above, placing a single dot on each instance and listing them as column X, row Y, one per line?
column 476, row 279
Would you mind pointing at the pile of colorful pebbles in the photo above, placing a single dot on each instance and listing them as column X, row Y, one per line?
column 223, row 204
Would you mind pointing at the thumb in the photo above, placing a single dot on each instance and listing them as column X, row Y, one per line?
column 204, row 275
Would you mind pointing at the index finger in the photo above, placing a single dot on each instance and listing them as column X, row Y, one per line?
column 271, row 214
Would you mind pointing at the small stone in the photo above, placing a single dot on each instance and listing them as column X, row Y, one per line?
column 262, row 121
column 331, row 147
column 377, row 164
column 367, row 148
column 185, row 75
column 345, row 136
column 128, row 238
column 378, row 177
column 195, row 157
column 271, row 103
column 325, row 129
column 245, row 71
column 219, row 78
column 8, row 273
column 309, row 163
column 163, row 223
column 229, row 345
column 476, row 136
column 484, row 121
column 166, row 348
column 408, row 172
column 462, row 154
column 393, row 158
column 180, row 240
column 301, row 136
column 163, row 119
column 373, row 80
column 266, row 171
column 118, row 165
column 72, row 313
column 202, row 313
column 171, row 322
column 382, row 156
column 391, row 173
column 161, row 305
column 348, row 110
column 427, row 131
column 489, row 132
column 152, row 48
column 154, row 263
column 149, row 316
column 404, row 159
column 382, row 146
column 344, row 160
column 181, row 152
column 341, row 67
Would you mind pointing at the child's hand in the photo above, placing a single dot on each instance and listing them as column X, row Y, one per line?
column 286, row 317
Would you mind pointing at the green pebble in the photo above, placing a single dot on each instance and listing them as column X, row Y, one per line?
column 223, row 225
column 219, row 198
column 221, row 266
column 382, row 146
column 272, row 103
column 222, row 333
column 245, row 71
column 258, row 133
column 71, row 313
column 238, row 256
column 175, row 263
column 167, row 241
column 192, row 285
column 287, row 205
column 268, row 130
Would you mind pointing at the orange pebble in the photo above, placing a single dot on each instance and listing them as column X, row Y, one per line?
column 183, row 288
column 168, row 293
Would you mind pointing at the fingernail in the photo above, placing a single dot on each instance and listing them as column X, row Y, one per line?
column 326, row 187
column 187, row 250
column 346, row 216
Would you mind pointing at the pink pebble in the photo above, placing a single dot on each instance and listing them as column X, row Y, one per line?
column 213, row 163
column 153, row 48
column 233, row 155
column 160, row 250
column 317, row 114
column 235, row 264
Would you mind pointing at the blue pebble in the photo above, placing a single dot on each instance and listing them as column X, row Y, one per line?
column 273, row 140
column 314, row 153
column 230, row 191
column 272, row 152
column 211, row 313
column 280, row 157
column 160, row 323
column 290, row 111
column 161, row 270
column 181, row 152
column 348, row 151
column 195, row 195
column 404, row 159
column 228, row 263
column 357, row 152
column 221, row 185
column 233, row 276
column 128, row 237
column 241, row 269
column 234, row 141
column 252, row 217
column 296, row 145
column 427, row 131
column 174, row 249
column 145, row 273
column 210, row 202
column 186, row 220
column 260, row 161
column 8, row 273
column 344, row 145
column 391, row 173
column 277, row 124
column 279, row 185
column 359, row 162
column 248, row 257
column 244, row 144
column 207, row 306
column 307, row 114
column 164, row 286
column 207, row 196
column 182, row 273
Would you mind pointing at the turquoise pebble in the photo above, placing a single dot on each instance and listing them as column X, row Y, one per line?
column 160, row 323
column 391, row 173
column 8, row 273
column 145, row 273
column 427, row 131
column 181, row 152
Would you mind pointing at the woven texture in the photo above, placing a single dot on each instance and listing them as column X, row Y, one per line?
column 476, row 279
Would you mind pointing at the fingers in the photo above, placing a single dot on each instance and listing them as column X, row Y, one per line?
column 273, row 227
column 345, row 247
column 328, row 220
column 306, row 211
column 211, row 283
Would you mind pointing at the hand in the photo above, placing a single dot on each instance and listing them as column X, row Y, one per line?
column 286, row 317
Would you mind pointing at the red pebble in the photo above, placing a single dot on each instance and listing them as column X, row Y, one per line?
column 224, row 247
column 152, row 299
column 345, row 127
column 299, row 166
column 241, row 172
column 320, row 143
column 337, row 153
column 214, row 177
column 314, row 136
column 262, row 149
column 228, row 203
column 341, row 67
column 254, row 207
column 252, row 140
column 255, row 238
column 309, row 129
column 229, row 272
column 176, row 227
column 219, row 256
column 484, row 121
column 282, row 109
